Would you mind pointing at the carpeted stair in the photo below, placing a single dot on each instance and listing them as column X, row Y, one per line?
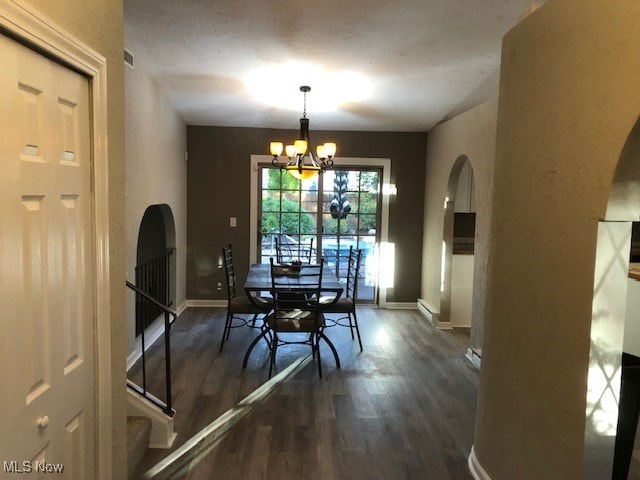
column 138, row 432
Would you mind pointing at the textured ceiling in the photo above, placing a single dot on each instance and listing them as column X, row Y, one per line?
column 378, row 65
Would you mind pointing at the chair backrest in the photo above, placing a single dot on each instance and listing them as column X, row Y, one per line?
column 353, row 270
column 288, row 252
column 227, row 256
column 296, row 291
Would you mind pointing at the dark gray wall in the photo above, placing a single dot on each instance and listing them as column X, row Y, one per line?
column 218, row 176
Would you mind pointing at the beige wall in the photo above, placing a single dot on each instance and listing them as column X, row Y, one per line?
column 99, row 25
column 218, row 188
column 156, row 172
column 472, row 134
column 569, row 98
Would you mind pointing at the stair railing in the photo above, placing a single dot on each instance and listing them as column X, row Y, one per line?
column 153, row 277
column 168, row 314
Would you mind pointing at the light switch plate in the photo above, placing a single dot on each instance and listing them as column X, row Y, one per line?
column 233, row 221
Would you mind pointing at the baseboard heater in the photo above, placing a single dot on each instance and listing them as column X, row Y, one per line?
column 428, row 312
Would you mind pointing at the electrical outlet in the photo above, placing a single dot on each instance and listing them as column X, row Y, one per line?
column 219, row 286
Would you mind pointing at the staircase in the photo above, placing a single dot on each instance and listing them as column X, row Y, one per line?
column 150, row 419
column 138, row 434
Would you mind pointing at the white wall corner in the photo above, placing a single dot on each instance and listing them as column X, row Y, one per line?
column 475, row 468
column 162, row 431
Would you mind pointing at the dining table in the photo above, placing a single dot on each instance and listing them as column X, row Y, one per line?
column 259, row 280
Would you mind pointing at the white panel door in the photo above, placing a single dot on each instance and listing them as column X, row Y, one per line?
column 46, row 277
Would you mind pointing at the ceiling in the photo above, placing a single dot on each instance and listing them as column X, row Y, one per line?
column 373, row 65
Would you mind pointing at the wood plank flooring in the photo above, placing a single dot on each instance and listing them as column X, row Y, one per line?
column 402, row 409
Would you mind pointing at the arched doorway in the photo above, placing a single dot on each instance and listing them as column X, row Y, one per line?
column 458, row 245
column 155, row 262
column 609, row 324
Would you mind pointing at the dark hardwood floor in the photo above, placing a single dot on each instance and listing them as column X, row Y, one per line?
column 402, row 409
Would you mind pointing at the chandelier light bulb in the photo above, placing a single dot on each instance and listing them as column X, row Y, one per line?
column 330, row 149
column 290, row 151
column 301, row 146
column 275, row 148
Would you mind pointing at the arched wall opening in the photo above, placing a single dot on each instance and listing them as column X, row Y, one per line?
column 458, row 243
column 615, row 326
column 155, row 262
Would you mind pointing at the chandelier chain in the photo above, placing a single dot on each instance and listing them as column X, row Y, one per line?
column 304, row 110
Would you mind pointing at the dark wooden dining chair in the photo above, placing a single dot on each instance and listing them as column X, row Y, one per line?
column 239, row 304
column 287, row 252
column 347, row 304
column 296, row 310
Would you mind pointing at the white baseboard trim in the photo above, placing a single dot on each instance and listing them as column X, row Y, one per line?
column 428, row 312
column 473, row 357
column 401, row 305
column 182, row 308
column 475, row 468
column 205, row 303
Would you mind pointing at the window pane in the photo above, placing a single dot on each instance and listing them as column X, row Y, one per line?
column 311, row 184
column 330, row 250
column 329, row 225
column 353, row 181
column 308, row 224
column 353, row 202
column 290, row 203
column 309, row 207
column 310, row 202
column 326, row 200
column 289, row 182
column 367, row 225
column 369, row 182
column 271, row 178
column 329, row 178
column 366, row 244
column 270, row 223
column 349, row 225
column 290, row 223
column 368, row 203
column 270, row 201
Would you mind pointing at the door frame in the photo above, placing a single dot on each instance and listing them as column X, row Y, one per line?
column 35, row 31
column 383, row 163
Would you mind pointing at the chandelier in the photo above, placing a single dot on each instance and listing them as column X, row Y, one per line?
column 301, row 162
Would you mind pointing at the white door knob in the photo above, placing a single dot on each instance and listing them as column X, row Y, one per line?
column 43, row 422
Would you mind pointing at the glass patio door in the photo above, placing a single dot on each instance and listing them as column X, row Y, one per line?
column 336, row 210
